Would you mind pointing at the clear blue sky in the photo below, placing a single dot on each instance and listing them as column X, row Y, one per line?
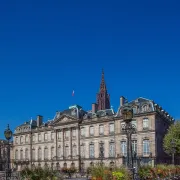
column 49, row 48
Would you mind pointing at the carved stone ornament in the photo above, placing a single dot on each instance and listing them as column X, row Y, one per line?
column 65, row 119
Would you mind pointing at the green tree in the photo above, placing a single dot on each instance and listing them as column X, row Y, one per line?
column 172, row 135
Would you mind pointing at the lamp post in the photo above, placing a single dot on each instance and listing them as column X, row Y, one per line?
column 129, row 129
column 173, row 150
column 101, row 149
column 8, row 136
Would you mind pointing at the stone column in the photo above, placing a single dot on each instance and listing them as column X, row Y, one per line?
column 71, row 141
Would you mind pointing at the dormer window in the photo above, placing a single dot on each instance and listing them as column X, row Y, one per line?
column 145, row 108
column 134, row 110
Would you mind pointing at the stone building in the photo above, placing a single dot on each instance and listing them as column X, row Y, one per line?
column 73, row 137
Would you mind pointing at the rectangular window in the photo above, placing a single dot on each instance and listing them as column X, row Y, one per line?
column 82, row 131
column 124, row 148
column 33, row 154
column 146, row 147
column 134, row 146
column 21, row 139
column 112, row 149
column 145, row 123
column 16, row 140
column 82, row 150
column 46, row 153
column 74, row 132
column 67, row 134
column 74, row 151
column 91, row 150
column 134, row 123
column 45, row 136
column 122, row 125
column 101, row 129
column 39, row 137
column 33, row 138
column 26, row 139
column 101, row 150
column 66, row 152
column 91, row 131
column 16, row 154
column 52, row 152
column 59, row 135
column 111, row 128
column 52, row 136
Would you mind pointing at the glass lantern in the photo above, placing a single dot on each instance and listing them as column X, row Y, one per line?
column 8, row 133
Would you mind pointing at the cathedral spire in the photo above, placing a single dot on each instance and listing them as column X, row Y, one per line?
column 103, row 84
column 103, row 98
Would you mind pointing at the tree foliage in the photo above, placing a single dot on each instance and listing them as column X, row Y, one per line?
column 173, row 134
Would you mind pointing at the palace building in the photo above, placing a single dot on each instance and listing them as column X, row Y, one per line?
column 73, row 137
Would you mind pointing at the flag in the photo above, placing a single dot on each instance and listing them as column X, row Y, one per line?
column 73, row 93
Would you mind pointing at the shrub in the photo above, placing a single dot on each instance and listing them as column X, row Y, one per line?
column 39, row 173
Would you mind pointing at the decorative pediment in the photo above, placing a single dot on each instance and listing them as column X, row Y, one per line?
column 64, row 119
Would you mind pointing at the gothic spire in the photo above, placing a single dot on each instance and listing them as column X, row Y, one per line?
column 103, row 98
column 103, row 84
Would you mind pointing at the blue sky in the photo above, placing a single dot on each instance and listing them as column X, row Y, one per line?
column 49, row 48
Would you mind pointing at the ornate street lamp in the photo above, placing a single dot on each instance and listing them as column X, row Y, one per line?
column 8, row 135
column 101, row 150
column 129, row 129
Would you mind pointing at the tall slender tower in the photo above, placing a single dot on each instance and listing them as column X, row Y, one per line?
column 103, row 98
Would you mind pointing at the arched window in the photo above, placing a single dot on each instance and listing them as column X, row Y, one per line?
column 57, row 166
column 91, row 164
column 111, row 164
column 72, row 165
column 145, row 108
column 45, row 165
column 39, row 154
column 65, row 165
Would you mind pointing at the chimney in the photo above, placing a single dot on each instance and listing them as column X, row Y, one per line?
column 94, row 107
column 39, row 120
column 122, row 101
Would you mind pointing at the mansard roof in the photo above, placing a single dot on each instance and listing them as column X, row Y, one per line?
column 100, row 113
column 143, row 105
